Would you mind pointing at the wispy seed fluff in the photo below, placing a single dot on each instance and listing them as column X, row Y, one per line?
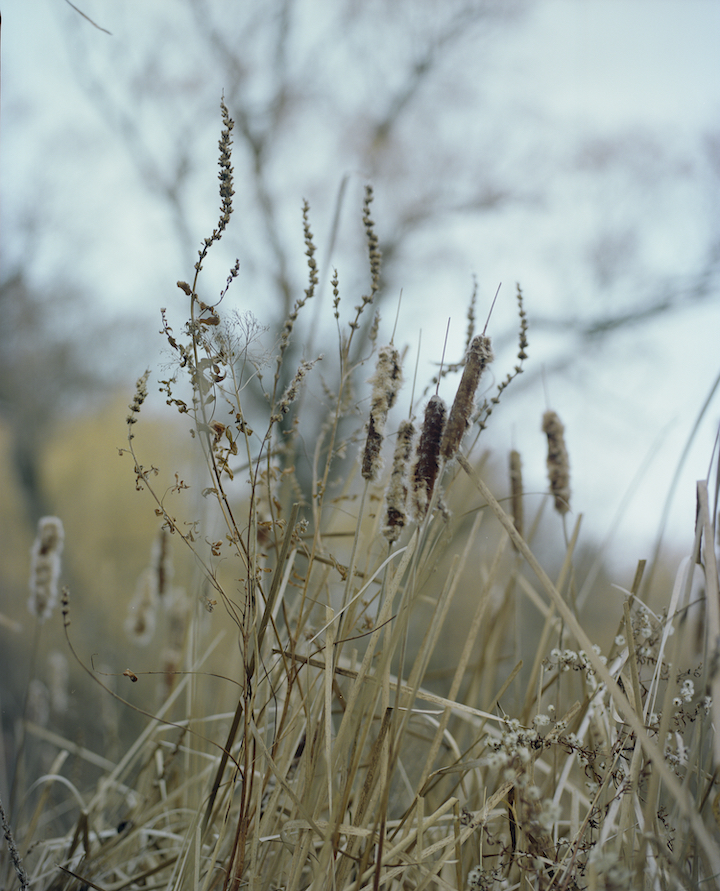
column 45, row 567
column 427, row 462
column 386, row 383
column 479, row 355
column 397, row 492
column 558, row 464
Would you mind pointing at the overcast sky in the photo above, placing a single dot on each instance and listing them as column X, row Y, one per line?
column 630, row 88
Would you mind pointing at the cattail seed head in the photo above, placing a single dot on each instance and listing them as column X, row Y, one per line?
column 386, row 383
column 516, row 490
column 397, row 492
column 427, row 462
column 558, row 464
column 479, row 355
column 45, row 567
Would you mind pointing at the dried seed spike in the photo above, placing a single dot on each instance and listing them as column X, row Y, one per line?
column 479, row 356
column 427, row 462
column 558, row 464
column 397, row 491
column 516, row 490
column 138, row 399
column 386, row 383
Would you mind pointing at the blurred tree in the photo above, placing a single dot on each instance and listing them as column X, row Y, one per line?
column 400, row 94
column 319, row 93
column 55, row 357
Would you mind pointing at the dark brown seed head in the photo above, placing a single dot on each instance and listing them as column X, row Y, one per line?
column 427, row 460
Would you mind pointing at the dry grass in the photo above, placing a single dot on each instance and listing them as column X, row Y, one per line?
column 326, row 754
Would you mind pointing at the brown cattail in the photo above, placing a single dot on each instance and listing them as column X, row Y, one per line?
column 478, row 356
column 397, row 492
column 58, row 681
column 38, row 702
column 161, row 561
column 516, row 490
column 179, row 609
column 45, row 567
column 558, row 464
column 386, row 382
column 142, row 612
column 427, row 462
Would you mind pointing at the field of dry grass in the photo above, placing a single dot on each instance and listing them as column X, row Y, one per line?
column 313, row 710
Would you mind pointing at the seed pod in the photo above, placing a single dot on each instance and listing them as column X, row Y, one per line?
column 386, row 382
column 558, row 464
column 427, row 463
column 479, row 355
column 397, row 491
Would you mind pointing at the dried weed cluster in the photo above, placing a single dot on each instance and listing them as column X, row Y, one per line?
column 324, row 755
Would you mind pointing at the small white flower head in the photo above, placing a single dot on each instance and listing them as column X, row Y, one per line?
column 45, row 567
column 687, row 690
column 549, row 814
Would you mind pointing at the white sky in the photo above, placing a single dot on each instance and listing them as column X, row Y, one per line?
column 573, row 73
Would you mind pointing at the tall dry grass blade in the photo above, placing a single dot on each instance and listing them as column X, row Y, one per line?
column 465, row 654
column 712, row 595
